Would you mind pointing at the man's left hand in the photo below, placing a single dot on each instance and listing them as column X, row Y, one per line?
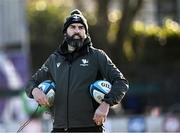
column 101, row 113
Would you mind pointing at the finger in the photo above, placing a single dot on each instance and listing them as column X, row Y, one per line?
column 103, row 119
column 98, row 120
column 47, row 104
column 99, row 123
column 96, row 117
column 39, row 101
column 45, row 101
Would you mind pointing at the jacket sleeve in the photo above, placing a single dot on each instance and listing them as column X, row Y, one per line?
column 40, row 75
column 112, row 74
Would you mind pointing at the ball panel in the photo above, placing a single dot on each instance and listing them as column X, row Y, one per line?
column 45, row 87
column 50, row 95
column 105, row 86
column 98, row 96
column 53, row 84
column 48, row 87
column 98, row 89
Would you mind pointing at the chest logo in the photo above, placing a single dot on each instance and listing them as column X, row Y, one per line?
column 84, row 62
column 58, row 64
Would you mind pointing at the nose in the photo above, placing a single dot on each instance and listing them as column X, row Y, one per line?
column 77, row 30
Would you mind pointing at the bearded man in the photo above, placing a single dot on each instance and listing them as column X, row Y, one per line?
column 73, row 67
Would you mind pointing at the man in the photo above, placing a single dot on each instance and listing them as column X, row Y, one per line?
column 73, row 67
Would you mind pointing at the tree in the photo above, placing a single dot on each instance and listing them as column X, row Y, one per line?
column 129, row 11
column 102, row 25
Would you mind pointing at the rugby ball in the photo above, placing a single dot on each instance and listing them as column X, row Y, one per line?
column 48, row 87
column 98, row 89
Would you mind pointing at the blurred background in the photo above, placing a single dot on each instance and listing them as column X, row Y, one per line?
column 142, row 37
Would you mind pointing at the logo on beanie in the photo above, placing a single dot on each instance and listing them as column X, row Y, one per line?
column 76, row 18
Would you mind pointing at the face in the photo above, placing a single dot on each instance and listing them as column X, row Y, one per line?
column 75, row 36
column 77, row 31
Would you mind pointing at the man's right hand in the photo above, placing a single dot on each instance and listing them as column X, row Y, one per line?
column 40, row 97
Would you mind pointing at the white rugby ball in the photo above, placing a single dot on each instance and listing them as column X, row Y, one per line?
column 48, row 87
column 99, row 88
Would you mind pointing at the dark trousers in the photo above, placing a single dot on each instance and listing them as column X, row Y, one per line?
column 97, row 129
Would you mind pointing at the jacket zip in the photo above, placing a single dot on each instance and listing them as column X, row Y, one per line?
column 68, row 95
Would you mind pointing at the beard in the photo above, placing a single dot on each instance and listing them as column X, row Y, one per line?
column 75, row 43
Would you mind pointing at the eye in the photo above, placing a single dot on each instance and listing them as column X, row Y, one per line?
column 72, row 26
column 81, row 27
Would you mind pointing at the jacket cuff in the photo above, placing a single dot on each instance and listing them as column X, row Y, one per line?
column 29, row 90
column 108, row 102
column 109, row 99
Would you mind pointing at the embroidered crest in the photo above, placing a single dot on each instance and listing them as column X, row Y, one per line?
column 85, row 62
column 58, row 64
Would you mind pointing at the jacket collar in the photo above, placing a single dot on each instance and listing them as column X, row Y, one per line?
column 62, row 50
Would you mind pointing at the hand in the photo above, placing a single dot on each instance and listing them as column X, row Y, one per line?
column 40, row 97
column 101, row 113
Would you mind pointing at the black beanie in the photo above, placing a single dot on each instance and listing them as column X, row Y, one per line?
column 75, row 17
